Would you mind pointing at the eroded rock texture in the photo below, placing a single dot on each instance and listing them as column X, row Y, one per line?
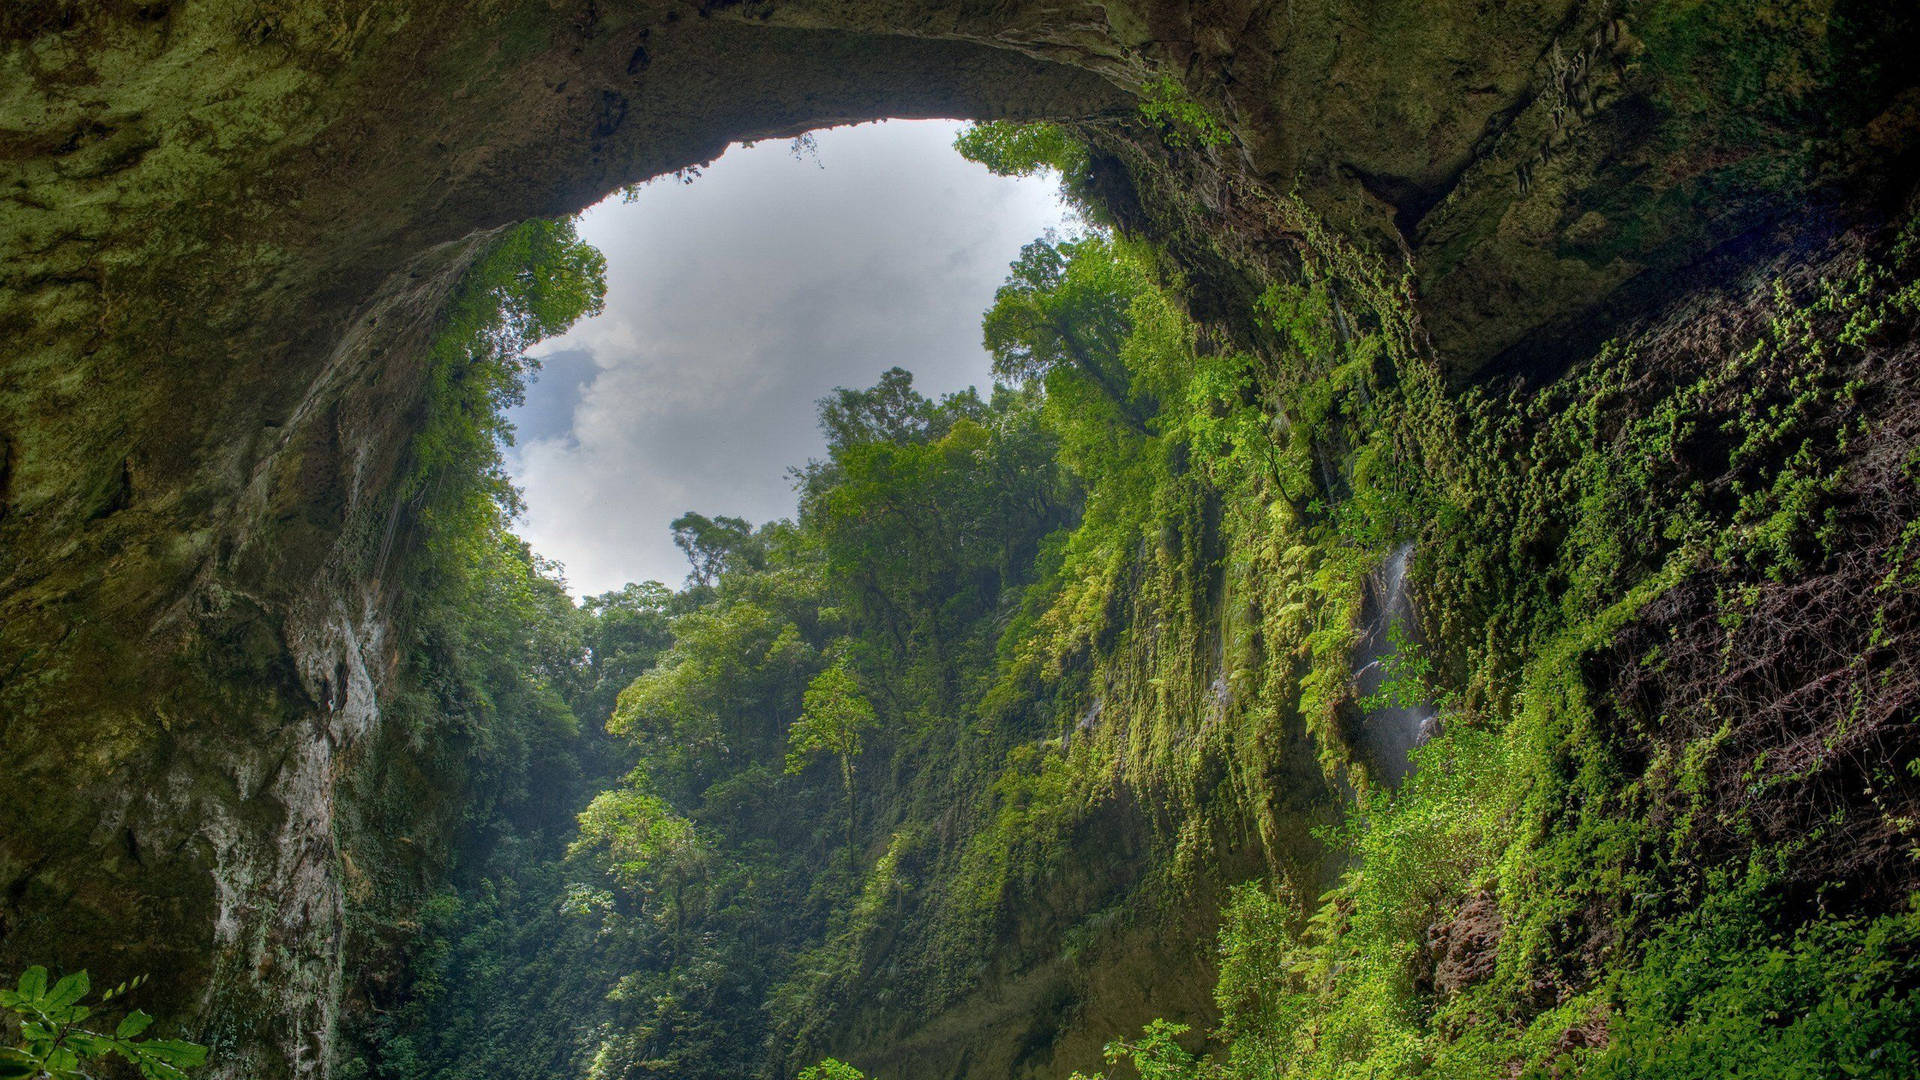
column 227, row 226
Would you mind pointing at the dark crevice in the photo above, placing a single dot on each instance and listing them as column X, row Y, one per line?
column 115, row 492
column 1409, row 200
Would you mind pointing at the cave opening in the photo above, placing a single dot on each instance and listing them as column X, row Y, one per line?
column 290, row 723
column 656, row 776
column 738, row 296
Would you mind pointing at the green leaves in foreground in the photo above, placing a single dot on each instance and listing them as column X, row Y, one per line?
column 55, row 1045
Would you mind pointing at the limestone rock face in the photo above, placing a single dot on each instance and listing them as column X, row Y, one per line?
column 226, row 228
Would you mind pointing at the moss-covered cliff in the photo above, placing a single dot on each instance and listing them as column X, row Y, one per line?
column 232, row 230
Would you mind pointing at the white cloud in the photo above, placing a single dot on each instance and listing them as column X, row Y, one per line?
column 736, row 301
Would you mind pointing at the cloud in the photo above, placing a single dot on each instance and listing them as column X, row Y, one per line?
column 733, row 303
column 565, row 377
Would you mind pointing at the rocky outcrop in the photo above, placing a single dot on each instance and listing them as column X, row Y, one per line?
column 227, row 227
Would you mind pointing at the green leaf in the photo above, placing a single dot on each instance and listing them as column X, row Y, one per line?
column 176, row 1052
column 16, row 1064
column 69, row 990
column 130, row 984
column 87, row 1044
column 135, row 1023
column 33, row 982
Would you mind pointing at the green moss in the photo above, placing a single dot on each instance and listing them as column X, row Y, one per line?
column 1551, row 891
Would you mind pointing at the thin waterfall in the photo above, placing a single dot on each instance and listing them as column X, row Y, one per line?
column 1388, row 733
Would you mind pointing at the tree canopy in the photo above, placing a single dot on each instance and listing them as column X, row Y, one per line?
column 710, row 543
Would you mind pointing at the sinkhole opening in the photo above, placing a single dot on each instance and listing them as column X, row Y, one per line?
column 850, row 418
column 737, row 297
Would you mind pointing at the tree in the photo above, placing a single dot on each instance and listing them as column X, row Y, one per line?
column 625, row 632
column 834, row 715
column 1008, row 148
column 832, row 1069
column 921, row 532
column 710, row 543
column 891, row 410
column 1157, row 1056
column 722, row 695
column 1064, row 307
column 642, row 846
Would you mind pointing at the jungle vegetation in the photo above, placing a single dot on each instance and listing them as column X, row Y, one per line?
column 1031, row 667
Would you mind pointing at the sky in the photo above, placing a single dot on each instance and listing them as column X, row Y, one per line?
column 734, row 302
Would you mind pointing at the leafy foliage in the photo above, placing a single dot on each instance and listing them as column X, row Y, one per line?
column 710, row 543
column 1583, row 875
column 1185, row 122
column 637, row 838
column 54, row 1044
column 834, row 716
column 832, row 1069
column 499, row 667
column 1007, row 148
column 1091, row 639
column 1060, row 310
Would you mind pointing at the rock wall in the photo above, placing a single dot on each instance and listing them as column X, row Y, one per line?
column 226, row 228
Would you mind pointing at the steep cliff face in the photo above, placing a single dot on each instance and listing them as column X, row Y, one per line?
column 228, row 228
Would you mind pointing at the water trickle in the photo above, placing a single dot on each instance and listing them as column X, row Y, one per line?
column 1388, row 733
column 1085, row 725
column 1219, row 698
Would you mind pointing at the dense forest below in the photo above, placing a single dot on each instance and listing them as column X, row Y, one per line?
column 1039, row 685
